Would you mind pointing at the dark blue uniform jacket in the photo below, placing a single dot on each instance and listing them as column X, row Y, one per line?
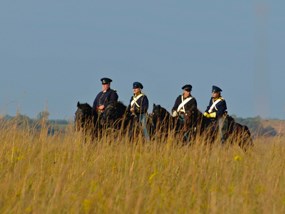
column 192, row 103
column 143, row 105
column 220, row 109
column 103, row 98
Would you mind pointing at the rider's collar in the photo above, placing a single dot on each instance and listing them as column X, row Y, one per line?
column 106, row 90
column 137, row 94
column 217, row 98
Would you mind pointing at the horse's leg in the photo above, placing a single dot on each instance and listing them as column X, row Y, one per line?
column 142, row 121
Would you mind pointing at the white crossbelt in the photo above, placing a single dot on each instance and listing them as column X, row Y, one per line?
column 214, row 105
column 135, row 99
column 181, row 107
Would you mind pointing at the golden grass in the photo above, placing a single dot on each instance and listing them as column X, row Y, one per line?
column 66, row 173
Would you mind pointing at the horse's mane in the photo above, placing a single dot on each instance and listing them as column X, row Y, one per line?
column 113, row 112
column 117, row 105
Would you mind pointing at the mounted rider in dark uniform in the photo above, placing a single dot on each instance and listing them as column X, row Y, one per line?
column 217, row 112
column 138, row 106
column 184, row 102
column 104, row 97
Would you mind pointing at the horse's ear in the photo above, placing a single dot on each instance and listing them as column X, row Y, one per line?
column 153, row 105
column 78, row 104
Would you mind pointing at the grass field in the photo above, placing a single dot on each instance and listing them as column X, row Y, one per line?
column 66, row 173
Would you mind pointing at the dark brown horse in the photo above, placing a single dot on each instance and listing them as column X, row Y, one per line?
column 114, row 116
column 238, row 133
column 163, row 123
column 233, row 132
column 85, row 118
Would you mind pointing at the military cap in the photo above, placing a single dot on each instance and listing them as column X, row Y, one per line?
column 137, row 85
column 187, row 87
column 216, row 89
column 105, row 80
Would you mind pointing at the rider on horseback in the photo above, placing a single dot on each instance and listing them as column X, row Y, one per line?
column 217, row 112
column 138, row 106
column 184, row 102
column 105, row 96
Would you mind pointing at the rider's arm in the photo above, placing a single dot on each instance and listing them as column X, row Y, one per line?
column 221, row 108
column 144, row 104
column 113, row 96
column 177, row 103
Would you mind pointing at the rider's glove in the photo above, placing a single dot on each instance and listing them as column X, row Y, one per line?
column 210, row 115
column 213, row 115
column 174, row 114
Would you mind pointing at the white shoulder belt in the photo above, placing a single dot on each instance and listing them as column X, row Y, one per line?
column 183, row 103
column 214, row 105
column 135, row 99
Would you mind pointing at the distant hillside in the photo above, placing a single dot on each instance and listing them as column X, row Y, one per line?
column 278, row 125
column 261, row 127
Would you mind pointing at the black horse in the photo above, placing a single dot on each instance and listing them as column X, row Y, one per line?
column 233, row 131
column 163, row 123
column 114, row 116
column 90, row 122
column 238, row 133
column 162, row 120
column 85, row 118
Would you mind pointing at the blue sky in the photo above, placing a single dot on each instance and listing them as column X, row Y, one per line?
column 53, row 53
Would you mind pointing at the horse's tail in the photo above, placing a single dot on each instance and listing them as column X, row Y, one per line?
column 247, row 140
column 249, row 135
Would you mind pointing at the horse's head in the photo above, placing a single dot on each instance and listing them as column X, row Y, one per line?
column 83, row 114
column 159, row 115
column 83, row 109
column 158, row 112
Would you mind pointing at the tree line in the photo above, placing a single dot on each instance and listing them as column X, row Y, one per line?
column 59, row 125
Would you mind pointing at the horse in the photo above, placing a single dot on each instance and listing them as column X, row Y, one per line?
column 233, row 131
column 85, row 118
column 117, row 117
column 238, row 133
column 163, row 122
column 114, row 115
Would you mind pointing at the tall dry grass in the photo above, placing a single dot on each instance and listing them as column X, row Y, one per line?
column 67, row 173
